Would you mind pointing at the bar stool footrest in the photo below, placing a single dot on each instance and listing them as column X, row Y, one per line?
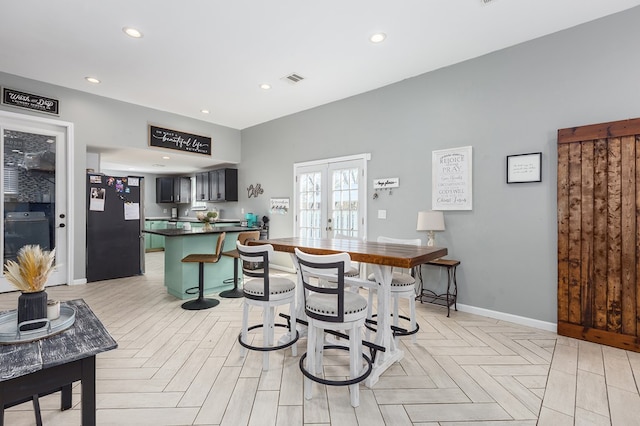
column 268, row 348
column 397, row 331
column 347, row 382
column 373, row 348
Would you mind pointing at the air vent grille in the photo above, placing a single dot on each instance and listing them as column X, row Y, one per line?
column 293, row 78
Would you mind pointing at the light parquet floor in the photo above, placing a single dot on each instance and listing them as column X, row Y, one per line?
column 177, row 367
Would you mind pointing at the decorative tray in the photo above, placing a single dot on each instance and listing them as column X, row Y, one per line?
column 10, row 332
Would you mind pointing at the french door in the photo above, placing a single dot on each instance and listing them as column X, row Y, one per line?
column 330, row 198
column 34, row 188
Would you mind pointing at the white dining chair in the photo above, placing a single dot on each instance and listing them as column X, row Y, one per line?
column 267, row 292
column 329, row 307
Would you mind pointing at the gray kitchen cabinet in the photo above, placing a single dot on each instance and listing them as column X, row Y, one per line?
column 182, row 190
column 164, row 190
column 173, row 190
column 223, row 185
column 202, row 186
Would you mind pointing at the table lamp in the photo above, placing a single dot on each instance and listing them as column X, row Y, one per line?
column 430, row 221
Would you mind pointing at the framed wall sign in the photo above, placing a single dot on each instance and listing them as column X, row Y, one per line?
column 524, row 168
column 30, row 101
column 180, row 141
column 452, row 179
column 385, row 183
column 279, row 206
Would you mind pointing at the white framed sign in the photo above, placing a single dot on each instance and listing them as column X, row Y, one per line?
column 385, row 183
column 279, row 206
column 524, row 168
column 452, row 179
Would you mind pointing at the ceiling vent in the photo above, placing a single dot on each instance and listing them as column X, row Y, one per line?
column 293, row 78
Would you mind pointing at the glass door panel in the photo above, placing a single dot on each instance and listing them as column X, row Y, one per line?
column 33, row 191
column 310, row 184
column 345, row 206
column 339, row 182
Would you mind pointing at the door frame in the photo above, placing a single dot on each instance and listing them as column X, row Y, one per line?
column 68, row 130
column 365, row 157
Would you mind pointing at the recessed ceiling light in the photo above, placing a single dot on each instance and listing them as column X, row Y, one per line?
column 265, row 86
column 166, row 157
column 377, row 38
column 204, row 111
column 132, row 32
column 92, row 80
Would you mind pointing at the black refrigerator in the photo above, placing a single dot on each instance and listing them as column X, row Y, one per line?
column 115, row 244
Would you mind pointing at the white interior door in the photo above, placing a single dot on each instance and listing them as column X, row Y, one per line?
column 330, row 198
column 34, row 185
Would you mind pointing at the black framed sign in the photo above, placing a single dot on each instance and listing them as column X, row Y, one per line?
column 180, row 141
column 16, row 98
column 524, row 168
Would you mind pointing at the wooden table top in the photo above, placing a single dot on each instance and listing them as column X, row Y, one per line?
column 398, row 255
column 86, row 337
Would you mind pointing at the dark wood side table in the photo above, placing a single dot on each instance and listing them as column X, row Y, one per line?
column 445, row 299
column 54, row 363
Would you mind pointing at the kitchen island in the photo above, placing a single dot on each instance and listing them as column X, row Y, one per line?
column 179, row 242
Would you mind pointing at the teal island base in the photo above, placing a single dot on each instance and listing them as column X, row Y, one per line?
column 179, row 276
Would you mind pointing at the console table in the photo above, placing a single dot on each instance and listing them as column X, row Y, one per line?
column 53, row 363
column 445, row 299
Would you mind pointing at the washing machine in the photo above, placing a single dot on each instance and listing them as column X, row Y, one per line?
column 22, row 228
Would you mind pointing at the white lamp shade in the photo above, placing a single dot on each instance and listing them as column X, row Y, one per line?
column 430, row 221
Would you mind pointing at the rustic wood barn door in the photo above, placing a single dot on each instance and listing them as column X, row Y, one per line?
column 599, row 233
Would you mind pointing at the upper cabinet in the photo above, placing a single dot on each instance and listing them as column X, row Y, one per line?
column 217, row 185
column 223, row 185
column 214, row 185
column 173, row 190
column 202, row 186
column 164, row 190
column 182, row 190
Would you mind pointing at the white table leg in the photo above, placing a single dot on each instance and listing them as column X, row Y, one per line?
column 384, row 335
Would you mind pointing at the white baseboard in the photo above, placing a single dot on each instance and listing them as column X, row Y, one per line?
column 79, row 281
column 529, row 322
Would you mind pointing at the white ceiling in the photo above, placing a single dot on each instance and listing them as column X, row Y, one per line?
column 211, row 54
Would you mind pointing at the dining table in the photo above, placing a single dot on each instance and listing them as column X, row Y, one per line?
column 382, row 258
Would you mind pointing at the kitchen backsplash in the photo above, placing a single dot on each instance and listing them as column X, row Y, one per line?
column 29, row 165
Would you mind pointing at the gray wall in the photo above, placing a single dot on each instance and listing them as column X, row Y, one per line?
column 103, row 122
column 508, row 102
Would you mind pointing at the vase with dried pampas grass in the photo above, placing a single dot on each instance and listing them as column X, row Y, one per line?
column 29, row 274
